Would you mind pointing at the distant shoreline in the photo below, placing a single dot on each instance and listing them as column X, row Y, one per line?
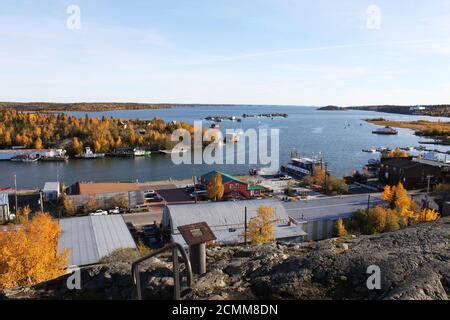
column 442, row 110
column 430, row 110
column 111, row 106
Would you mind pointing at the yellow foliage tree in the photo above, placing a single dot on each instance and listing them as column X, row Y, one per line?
column 38, row 143
column 215, row 188
column 397, row 153
column 77, row 146
column 91, row 204
column 68, row 206
column 339, row 228
column 260, row 228
column 23, row 213
column 29, row 253
column 426, row 215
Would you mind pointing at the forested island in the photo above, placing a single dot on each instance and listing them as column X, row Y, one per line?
column 332, row 108
column 82, row 106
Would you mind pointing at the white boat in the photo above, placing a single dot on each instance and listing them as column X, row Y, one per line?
column 301, row 166
column 88, row 154
column 25, row 158
column 139, row 152
column 370, row 150
column 386, row 130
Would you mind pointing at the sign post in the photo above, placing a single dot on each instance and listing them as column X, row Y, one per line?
column 196, row 235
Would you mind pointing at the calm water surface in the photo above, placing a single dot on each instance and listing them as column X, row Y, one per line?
column 340, row 136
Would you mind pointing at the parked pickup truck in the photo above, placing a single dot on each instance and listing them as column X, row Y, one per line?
column 99, row 212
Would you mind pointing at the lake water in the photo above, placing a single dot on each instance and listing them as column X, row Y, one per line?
column 340, row 136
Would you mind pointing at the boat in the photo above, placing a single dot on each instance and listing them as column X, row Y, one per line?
column 370, row 150
column 88, row 154
column 26, row 158
column 301, row 167
column 55, row 158
column 264, row 171
column 139, row 152
column 386, row 130
column 383, row 149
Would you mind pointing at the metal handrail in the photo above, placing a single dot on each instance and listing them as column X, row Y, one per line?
column 176, row 247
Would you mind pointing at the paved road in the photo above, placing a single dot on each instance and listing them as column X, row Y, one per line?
column 321, row 208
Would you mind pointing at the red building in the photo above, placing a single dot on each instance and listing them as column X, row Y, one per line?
column 233, row 187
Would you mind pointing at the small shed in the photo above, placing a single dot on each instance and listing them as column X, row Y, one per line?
column 51, row 191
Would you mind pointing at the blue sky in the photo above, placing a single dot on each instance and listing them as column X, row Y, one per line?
column 227, row 51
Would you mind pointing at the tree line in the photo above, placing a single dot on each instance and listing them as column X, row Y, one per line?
column 48, row 130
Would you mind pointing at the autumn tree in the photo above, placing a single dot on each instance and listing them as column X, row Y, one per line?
column 77, row 146
column 260, row 228
column 425, row 215
column 339, row 228
column 68, row 206
column 29, row 253
column 215, row 187
column 22, row 214
column 38, row 143
column 91, row 204
column 397, row 153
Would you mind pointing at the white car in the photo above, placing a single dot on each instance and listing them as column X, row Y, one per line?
column 149, row 192
column 99, row 213
column 116, row 210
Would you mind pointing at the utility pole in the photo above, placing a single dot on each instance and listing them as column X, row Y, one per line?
column 245, row 226
column 15, row 194
column 368, row 203
column 41, row 201
column 195, row 188
column 428, row 184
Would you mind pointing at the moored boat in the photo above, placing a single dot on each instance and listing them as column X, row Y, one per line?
column 139, row 152
column 300, row 167
column 25, row 158
column 386, row 130
column 89, row 154
column 55, row 158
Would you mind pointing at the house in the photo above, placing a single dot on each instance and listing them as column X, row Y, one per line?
column 227, row 220
column 413, row 173
column 4, row 206
column 51, row 191
column 233, row 187
column 91, row 238
column 417, row 108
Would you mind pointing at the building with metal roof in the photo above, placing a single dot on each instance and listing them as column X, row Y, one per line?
column 91, row 238
column 51, row 191
column 321, row 213
column 226, row 220
column 233, row 186
column 4, row 206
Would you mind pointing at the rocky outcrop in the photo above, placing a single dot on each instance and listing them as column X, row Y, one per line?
column 414, row 263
